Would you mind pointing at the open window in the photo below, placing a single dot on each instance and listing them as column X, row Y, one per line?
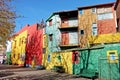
column 112, row 56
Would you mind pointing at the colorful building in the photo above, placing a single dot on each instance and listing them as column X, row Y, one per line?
column 96, row 20
column 19, row 46
column 34, row 45
column 102, row 59
column 63, row 59
column 69, row 40
column 117, row 8
column 61, row 34
column 52, row 25
column 51, row 38
column 68, row 29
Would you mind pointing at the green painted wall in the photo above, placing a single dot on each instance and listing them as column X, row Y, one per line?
column 91, row 59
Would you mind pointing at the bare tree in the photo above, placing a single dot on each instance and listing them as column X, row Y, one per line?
column 7, row 20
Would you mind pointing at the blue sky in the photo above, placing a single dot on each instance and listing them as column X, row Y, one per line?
column 35, row 10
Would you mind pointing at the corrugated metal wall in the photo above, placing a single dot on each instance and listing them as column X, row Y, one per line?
column 72, row 22
column 73, row 38
column 69, row 38
column 69, row 22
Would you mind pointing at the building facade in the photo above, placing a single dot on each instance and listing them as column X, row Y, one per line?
column 117, row 8
column 19, row 46
column 96, row 20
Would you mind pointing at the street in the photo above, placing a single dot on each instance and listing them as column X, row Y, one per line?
column 13, row 72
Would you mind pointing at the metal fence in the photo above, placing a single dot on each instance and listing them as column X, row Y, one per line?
column 109, row 69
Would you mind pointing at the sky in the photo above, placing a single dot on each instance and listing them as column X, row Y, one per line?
column 33, row 11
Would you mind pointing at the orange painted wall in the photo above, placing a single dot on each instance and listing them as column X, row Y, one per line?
column 64, row 22
column 65, row 38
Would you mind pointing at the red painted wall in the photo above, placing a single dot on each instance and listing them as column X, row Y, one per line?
column 34, row 45
column 108, row 25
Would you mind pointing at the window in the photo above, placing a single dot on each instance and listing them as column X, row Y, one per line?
column 50, row 22
column 75, row 57
column 93, row 10
column 20, row 42
column 44, row 50
column 50, row 37
column 105, row 16
column 112, row 56
column 38, row 26
column 59, row 58
column 48, row 57
column 94, row 29
column 81, row 32
column 81, row 11
column 15, row 44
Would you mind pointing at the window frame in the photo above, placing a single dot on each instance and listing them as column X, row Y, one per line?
column 109, row 56
column 82, row 32
column 51, row 37
column 81, row 11
column 93, row 10
column 94, row 29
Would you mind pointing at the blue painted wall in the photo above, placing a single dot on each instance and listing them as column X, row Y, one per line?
column 53, row 45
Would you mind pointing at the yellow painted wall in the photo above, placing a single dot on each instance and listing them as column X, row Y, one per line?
column 18, row 48
column 66, row 58
column 45, row 46
column 66, row 61
column 85, row 23
column 104, row 38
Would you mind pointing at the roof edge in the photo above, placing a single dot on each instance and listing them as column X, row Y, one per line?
column 97, row 5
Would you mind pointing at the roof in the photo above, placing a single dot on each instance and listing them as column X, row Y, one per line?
column 98, row 5
column 116, row 4
column 59, row 12
column 66, row 11
column 50, row 17
column 23, row 29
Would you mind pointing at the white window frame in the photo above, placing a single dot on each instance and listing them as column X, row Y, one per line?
column 93, row 10
column 94, row 29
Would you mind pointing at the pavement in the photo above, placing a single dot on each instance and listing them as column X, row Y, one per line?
column 14, row 72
